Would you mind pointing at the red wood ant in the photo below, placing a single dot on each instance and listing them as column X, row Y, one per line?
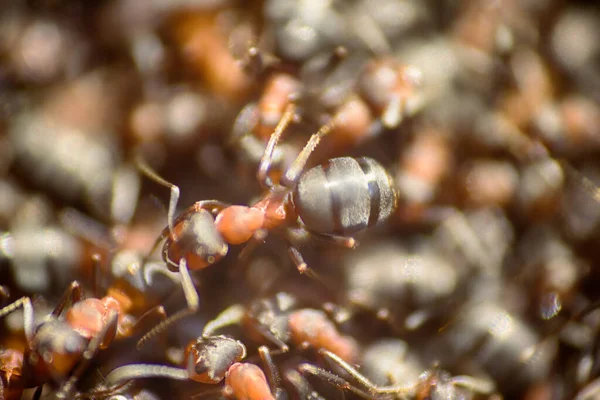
column 278, row 320
column 56, row 346
column 211, row 360
column 330, row 202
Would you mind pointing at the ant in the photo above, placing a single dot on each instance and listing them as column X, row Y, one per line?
column 211, row 360
column 278, row 320
column 360, row 105
column 330, row 202
column 431, row 384
column 57, row 345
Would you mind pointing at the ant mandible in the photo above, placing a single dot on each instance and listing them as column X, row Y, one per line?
column 331, row 201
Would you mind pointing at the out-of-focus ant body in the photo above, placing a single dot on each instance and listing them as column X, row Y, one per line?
column 56, row 346
column 358, row 105
column 331, row 201
column 279, row 320
column 211, row 360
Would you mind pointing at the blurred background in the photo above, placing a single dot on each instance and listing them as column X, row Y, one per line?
column 485, row 114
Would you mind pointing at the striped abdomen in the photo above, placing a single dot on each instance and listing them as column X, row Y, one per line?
column 344, row 196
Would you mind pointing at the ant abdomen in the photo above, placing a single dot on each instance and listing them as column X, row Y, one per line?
column 344, row 196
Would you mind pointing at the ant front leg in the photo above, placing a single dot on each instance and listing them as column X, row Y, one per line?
column 272, row 373
column 191, row 297
column 145, row 169
column 24, row 302
column 337, row 240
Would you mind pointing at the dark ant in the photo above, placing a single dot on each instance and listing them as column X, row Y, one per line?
column 211, row 360
column 330, row 202
column 278, row 320
column 59, row 348
column 431, row 384
column 56, row 346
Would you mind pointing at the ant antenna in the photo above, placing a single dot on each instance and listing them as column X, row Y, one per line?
column 191, row 297
column 144, row 168
column 139, row 371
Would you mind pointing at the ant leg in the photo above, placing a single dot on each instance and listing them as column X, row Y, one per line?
column 272, row 372
column 37, row 395
column 129, row 372
column 302, row 387
column 293, row 173
column 72, row 295
column 478, row 385
column 257, row 238
column 338, row 240
column 152, row 268
column 90, row 352
column 24, row 302
column 147, row 319
column 267, row 158
column 145, row 169
column 233, row 315
column 301, row 265
column 192, row 300
column 333, row 379
column 332, row 357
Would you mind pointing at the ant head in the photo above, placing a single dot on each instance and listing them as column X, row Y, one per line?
column 57, row 346
column 197, row 240
column 209, row 358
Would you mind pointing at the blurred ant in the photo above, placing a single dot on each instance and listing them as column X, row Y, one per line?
column 331, row 202
column 89, row 325
column 210, row 360
column 431, row 384
column 56, row 346
column 329, row 89
column 278, row 320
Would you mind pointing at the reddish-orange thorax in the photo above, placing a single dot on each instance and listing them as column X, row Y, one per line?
column 88, row 317
column 313, row 327
column 237, row 224
column 248, row 382
column 275, row 210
